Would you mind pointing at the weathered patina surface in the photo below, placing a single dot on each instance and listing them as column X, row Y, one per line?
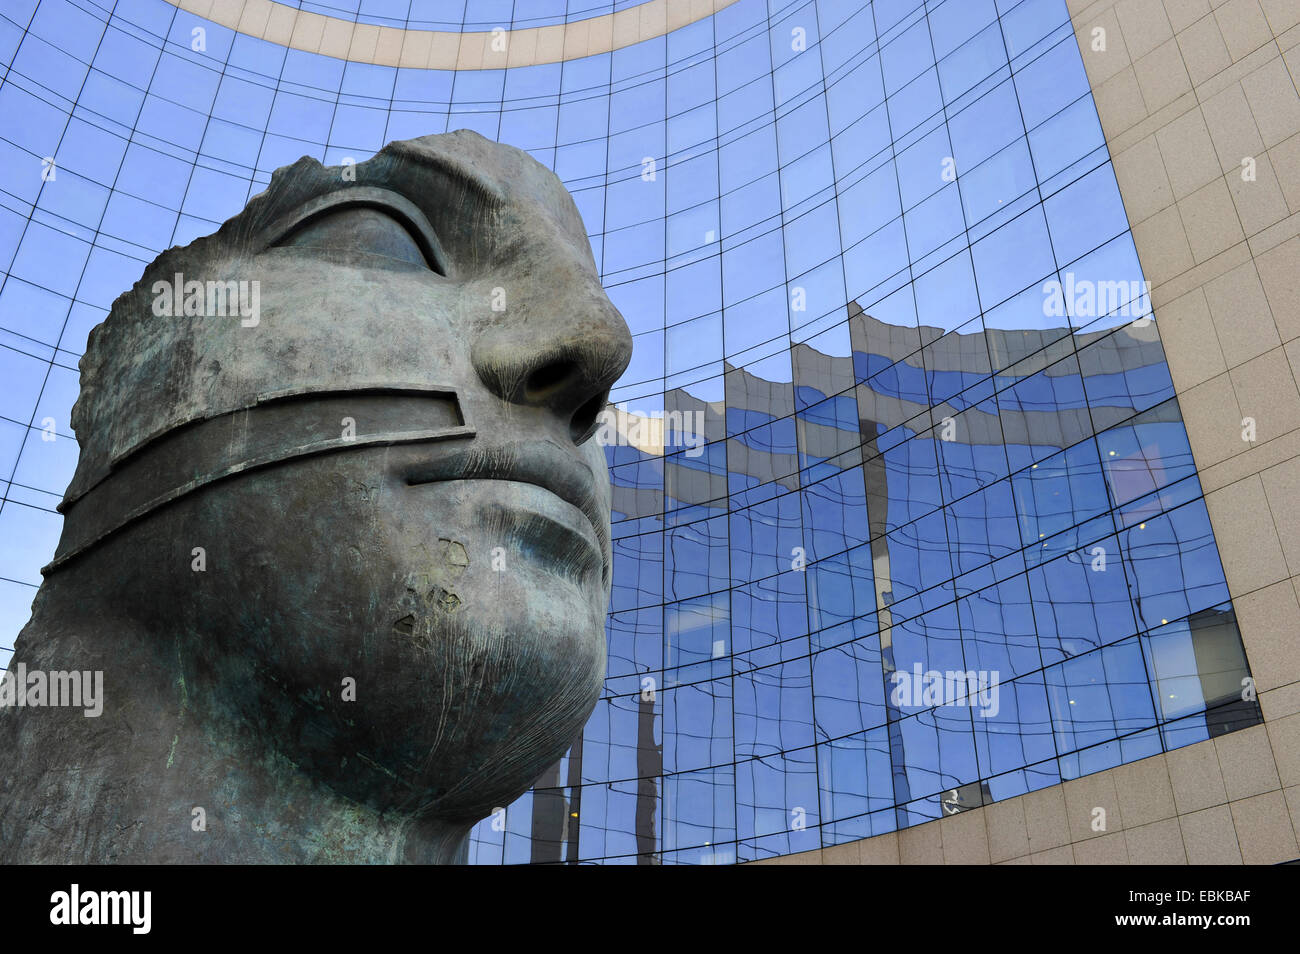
column 338, row 537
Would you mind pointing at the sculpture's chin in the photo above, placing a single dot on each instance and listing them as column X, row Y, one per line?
column 475, row 715
column 472, row 681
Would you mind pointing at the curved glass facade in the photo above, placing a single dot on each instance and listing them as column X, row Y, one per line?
column 905, row 516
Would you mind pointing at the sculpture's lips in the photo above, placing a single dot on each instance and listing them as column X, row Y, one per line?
column 536, row 462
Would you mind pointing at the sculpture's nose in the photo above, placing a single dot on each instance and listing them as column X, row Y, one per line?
column 561, row 348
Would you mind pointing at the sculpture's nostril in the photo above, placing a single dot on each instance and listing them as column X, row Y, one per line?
column 548, row 380
column 583, row 423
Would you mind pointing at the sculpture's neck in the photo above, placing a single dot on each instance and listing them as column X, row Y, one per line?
column 155, row 778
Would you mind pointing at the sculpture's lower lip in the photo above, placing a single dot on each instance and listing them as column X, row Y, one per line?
column 534, row 519
column 582, row 511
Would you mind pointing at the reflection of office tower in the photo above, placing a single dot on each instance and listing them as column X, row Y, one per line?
column 573, row 817
column 1221, row 666
column 650, row 766
column 556, row 818
column 550, row 816
column 875, row 478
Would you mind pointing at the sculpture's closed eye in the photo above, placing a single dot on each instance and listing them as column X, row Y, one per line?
column 358, row 229
column 364, row 221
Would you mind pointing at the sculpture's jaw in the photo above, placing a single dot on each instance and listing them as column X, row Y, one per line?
column 427, row 648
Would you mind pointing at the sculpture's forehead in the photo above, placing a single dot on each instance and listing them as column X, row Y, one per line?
column 510, row 179
column 482, row 196
column 512, row 173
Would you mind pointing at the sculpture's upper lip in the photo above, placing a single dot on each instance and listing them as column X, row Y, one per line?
column 531, row 462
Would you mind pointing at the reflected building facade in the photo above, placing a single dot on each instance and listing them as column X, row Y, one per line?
column 906, row 517
column 1018, row 505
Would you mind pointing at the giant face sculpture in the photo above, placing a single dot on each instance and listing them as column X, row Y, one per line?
column 337, row 478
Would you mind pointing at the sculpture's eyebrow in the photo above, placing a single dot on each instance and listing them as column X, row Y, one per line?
column 420, row 183
column 455, row 172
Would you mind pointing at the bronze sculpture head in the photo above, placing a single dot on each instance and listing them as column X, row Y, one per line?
column 338, row 536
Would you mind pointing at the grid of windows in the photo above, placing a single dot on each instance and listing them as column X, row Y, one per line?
column 897, row 405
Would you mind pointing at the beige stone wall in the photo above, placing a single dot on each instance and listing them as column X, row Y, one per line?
column 1232, row 800
column 1188, row 90
column 443, row 50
